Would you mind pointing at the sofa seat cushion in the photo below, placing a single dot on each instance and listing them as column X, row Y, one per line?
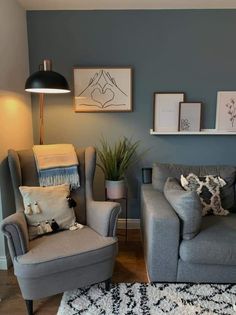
column 215, row 244
column 64, row 251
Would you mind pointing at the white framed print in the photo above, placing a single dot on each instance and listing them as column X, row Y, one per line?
column 226, row 111
column 166, row 111
column 189, row 116
column 103, row 89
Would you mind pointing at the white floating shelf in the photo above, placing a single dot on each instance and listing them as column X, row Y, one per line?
column 203, row 132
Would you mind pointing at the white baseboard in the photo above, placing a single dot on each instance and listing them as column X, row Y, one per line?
column 132, row 224
column 5, row 262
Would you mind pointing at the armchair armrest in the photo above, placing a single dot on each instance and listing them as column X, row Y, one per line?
column 102, row 216
column 161, row 234
column 16, row 231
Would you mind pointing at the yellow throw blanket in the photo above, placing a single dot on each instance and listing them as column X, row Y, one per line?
column 57, row 164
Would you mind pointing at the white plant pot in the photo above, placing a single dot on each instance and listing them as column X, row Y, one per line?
column 115, row 189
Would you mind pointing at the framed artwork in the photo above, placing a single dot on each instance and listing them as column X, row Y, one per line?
column 226, row 111
column 102, row 89
column 189, row 116
column 166, row 111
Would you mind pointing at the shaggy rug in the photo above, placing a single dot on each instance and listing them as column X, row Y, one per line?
column 150, row 299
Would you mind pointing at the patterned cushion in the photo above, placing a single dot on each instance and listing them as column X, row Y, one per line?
column 208, row 189
column 47, row 209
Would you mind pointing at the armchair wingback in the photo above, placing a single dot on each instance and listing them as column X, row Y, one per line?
column 69, row 259
column 24, row 173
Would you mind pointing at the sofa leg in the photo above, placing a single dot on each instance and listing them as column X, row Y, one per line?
column 29, row 305
column 108, row 284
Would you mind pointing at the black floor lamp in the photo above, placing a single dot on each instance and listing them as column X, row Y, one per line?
column 45, row 81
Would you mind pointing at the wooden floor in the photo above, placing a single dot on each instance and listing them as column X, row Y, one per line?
column 129, row 267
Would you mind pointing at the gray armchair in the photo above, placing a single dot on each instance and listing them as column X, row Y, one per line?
column 66, row 260
column 207, row 257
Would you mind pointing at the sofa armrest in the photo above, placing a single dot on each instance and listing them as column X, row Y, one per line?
column 16, row 231
column 102, row 216
column 161, row 234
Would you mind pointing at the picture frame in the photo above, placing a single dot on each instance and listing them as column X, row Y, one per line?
column 226, row 111
column 102, row 89
column 166, row 111
column 190, row 116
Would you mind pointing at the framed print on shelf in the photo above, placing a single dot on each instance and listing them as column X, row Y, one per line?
column 103, row 89
column 166, row 111
column 189, row 116
column 226, row 111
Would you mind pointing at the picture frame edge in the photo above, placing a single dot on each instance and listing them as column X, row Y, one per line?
column 200, row 116
column 218, row 111
column 154, row 104
column 129, row 67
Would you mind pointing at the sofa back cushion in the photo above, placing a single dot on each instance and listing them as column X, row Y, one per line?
column 187, row 205
column 161, row 171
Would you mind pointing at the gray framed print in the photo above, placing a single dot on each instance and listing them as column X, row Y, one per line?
column 166, row 111
column 190, row 116
column 103, row 89
column 226, row 111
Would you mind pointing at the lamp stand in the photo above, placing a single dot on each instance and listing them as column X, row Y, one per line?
column 41, row 117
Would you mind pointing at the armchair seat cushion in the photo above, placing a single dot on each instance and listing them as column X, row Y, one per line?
column 215, row 244
column 64, row 251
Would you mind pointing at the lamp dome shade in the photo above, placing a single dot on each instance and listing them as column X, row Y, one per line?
column 47, row 82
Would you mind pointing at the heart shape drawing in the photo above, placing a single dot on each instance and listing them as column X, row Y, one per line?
column 102, row 97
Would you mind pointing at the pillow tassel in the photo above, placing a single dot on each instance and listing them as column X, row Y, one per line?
column 47, row 227
column 36, row 208
column 28, row 210
column 55, row 227
column 71, row 202
column 183, row 181
column 40, row 229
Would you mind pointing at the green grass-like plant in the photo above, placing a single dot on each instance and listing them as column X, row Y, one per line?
column 114, row 161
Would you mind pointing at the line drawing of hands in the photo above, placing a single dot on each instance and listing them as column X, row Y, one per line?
column 102, row 91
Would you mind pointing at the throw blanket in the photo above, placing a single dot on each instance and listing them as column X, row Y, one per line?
column 57, row 164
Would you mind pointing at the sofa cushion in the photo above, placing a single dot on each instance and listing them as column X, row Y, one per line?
column 215, row 244
column 63, row 251
column 161, row 171
column 46, row 204
column 208, row 188
column 187, row 205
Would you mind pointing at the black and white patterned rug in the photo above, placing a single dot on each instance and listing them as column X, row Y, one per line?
column 150, row 299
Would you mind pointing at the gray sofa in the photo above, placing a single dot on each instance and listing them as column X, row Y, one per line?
column 209, row 256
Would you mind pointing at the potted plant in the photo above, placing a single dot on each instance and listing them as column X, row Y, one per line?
column 114, row 162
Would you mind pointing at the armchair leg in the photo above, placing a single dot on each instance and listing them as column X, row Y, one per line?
column 108, row 284
column 29, row 306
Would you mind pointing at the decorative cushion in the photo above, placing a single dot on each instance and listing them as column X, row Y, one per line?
column 187, row 205
column 161, row 171
column 208, row 189
column 47, row 208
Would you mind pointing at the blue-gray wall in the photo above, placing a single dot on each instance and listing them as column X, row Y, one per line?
column 185, row 50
